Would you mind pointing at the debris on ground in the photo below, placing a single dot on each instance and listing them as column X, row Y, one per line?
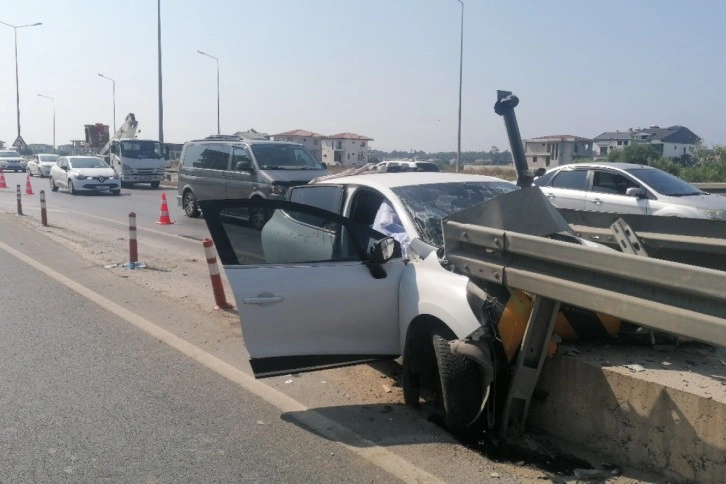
column 634, row 368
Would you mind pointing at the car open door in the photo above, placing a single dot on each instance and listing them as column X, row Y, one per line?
column 309, row 292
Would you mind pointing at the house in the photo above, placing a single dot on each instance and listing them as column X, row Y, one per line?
column 673, row 142
column 346, row 149
column 312, row 141
column 611, row 140
column 551, row 151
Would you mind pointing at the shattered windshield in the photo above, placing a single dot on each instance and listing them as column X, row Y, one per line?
column 428, row 204
column 141, row 149
column 285, row 157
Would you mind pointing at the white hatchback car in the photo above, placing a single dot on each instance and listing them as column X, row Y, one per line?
column 41, row 164
column 83, row 173
column 349, row 269
column 630, row 189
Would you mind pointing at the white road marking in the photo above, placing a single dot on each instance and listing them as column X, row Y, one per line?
column 379, row 456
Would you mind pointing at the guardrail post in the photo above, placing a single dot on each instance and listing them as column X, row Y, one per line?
column 133, row 250
column 217, row 288
column 43, row 213
column 20, row 202
column 531, row 357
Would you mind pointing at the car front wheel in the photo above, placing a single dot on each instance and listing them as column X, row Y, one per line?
column 189, row 203
column 53, row 186
column 71, row 188
column 459, row 386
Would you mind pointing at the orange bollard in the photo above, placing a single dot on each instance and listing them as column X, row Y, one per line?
column 217, row 287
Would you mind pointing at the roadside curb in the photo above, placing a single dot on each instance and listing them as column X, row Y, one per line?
column 663, row 420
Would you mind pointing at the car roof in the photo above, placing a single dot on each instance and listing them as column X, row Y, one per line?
column 75, row 157
column 621, row 166
column 393, row 180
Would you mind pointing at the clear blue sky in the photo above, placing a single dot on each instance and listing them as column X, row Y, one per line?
column 387, row 69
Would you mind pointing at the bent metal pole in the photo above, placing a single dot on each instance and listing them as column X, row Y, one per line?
column 43, row 213
column 133, row 252
column 20, row 202
column 217, row 288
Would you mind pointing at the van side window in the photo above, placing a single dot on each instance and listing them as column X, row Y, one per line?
column 192, row 156
column 216, row 157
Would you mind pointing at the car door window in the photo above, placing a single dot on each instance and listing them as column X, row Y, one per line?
column 326, row 197
column 609, row 182
column 571, row 179
column 293, row 234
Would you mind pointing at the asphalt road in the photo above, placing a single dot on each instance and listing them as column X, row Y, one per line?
column 105, row 208
column 87, row 397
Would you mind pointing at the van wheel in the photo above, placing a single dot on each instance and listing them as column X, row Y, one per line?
column 459, row 386
column 189, row 203
column 155, row 184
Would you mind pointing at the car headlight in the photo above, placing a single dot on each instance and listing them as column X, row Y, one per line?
column 713, row 213
column 278, row 189
column 80, row 177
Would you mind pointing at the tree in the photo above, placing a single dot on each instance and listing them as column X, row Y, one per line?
column 640, row 154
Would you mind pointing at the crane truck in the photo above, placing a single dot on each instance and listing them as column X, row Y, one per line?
column 134, row 160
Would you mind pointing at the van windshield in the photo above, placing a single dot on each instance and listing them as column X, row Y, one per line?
column 285, row 157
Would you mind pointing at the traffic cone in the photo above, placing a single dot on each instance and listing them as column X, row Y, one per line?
column 2, row 180
column 164, row 216
column 28, row 188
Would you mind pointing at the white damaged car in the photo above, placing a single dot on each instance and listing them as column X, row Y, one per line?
column 349, row 270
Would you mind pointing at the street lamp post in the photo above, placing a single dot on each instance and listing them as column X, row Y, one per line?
column 217, row 60
column 53, row 100
column 161, row 104
column 461, row 70
column 17, row 82
column 114, row 99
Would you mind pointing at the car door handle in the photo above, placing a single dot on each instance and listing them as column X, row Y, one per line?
column 262, row 300
column 549, row 195
column 597, row 201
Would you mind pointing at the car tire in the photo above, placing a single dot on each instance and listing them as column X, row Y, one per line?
column 115, row 192
column 30, row 172
column 189, row 203
column 71, row 188
column 53, row 186
column 155, row 184
column 459, row 386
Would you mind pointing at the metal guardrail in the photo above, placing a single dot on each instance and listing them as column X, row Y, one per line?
column 718, row 188
column 688, row 241
column 676, row 298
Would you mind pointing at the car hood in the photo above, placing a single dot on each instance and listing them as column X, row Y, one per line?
column 714, row 202
column 95, row 172
column 12, row 160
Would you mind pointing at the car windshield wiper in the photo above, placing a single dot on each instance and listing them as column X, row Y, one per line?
column 687, row 194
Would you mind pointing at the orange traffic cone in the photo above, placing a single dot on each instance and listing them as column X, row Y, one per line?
column 164, row 216
column 2, row 180
column 28, row 188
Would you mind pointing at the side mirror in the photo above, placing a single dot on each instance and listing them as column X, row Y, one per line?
column 382, row 251
column 244, row 166
column 636, row 192
column 166, row 152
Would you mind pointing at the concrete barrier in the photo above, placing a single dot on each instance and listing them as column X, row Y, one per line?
column 719, row 188
column 669, row 417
